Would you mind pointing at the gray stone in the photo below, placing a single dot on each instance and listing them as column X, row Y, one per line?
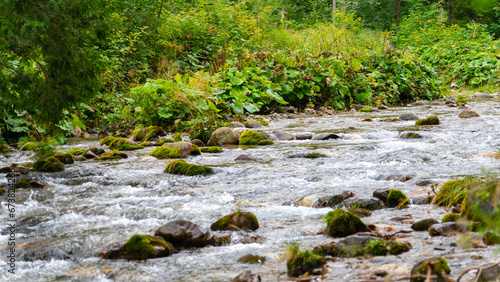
column 247, row 276
column 468, row 114
column 364, row 202
column 325, row 136
column 223, row 136
column 182, row 233
column 481, row 95
column 251, row 123
column 283, row 136
column 304, row 136
column 410, row 135
column 236, row 124
column 424, row 224
column 408, row 117
column 447, row 229
column 489, row 273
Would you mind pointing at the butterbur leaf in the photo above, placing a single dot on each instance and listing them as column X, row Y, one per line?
column 164, row 113
column 251, row 108
column 78, row 122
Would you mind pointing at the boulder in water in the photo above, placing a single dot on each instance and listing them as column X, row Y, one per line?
column 468, row 114
column 223, row 136
column 48, row 165
column 341, row 223
column 437, row 265
column 432, row 120
column 236, row 221
column 182, row 233
column 139, row 247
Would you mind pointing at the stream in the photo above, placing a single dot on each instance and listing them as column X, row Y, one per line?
column 92, row 204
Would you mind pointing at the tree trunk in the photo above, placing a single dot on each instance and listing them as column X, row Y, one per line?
column 449, row 12
column 334, row 4
column 398, row 13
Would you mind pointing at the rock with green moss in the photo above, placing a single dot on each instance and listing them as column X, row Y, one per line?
column 396, row 248
column 140, row 247
column 366, row 110
column 185, row 234
column 23, row 183
column 77, row 152
column 251, row 123
column 48, row 165
column 129, row 147
column 4, row 148
column 177, row 137
column 491, row 238
column 17, row 169
column 185, row 148
column 263, row 122
column 252, row 259
column 112, row 155
column 482, row 203
column 265, row 142
column 146, row 144
column 223, row 136
column 212, row 150
column 250, row 137
column 377, row 247
column 396, row 197
column 360, row 212
column 410, row 135
column 65, row 158
column 107, row 140
column 436, row 265
column 341, row 223
column 2, row 191
column 122, row 144
column 164, row 152
column 432, row 120
column 236, row 221
column 163, row 141
column 301, row 262
column 450, row 217
column 148, row 133
column 183, row 168
column 424, row 224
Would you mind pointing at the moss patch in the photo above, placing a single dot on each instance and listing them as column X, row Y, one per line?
column 491, row 238
column 377, row 247
column 432, row 120
column 77, row 152
column 212, row 150
column 396, row 248
column 236, row 221
column 163, row 141
column 140, row 247
column 263, row 122
column 164, row 152
column 177, row 137
column 265, row 142
column 252, row 259
column 65, row 158
column 250, row 137
column 450, row 217
column 129, row 147
column 396, row 197
column 106, row 141
column 24, row 183
column 113, row 155
column 299, row 262
column 144, row 134
column 118, row 142
column 436, row 265
column 453, row 192
column 366, row 110
column 341, row 223
column 48, row 165
column 183, row 168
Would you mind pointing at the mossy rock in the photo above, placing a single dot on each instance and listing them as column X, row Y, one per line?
column 424, row 224
column 341, row 223
column 411, row 135
column 163, row 141
column 181, row 167
column 48, row 165
column 252, row 259
column 2, row 191
column 396, row 248
column 361, row 212
column 129, row 147
column 140, row 247
column 491, row 238
column 177, row 137
column 118, row 143
column 223, row 136
column 265, row 142
column 144, row 134
column 250, row 137
column 236, row 221
column 251, row 123
column 450, row 217
column 112, row 155
column 432, row 120
column 107, row 140
column 146, row 144
column 436, row 264
column 303, row 262
column 366, row 110
column 23, row 183
column 77, row 152
column 377, row 247
column 4, row 148
column 185, row 148
column 163, row 152
column 314, row 156
column 212, row 150
column 263, row 122
column 396, row 197
column 65, row 158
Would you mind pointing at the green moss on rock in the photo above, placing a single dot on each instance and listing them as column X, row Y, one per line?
column 163, row 141
column 77, row 152
column 106, row 141
column 341, row 223
column 432, row 120
column 112, row 155
column 377, row 247
column 491, row 238
column 144, row 134
column 2, row 191
column 23, row 183
column 118, row 144
column 314, row 155
column 65, row 158
column 213, row 150
column 396, row 248
column 163, row 152
column 263, row 122
column 140, row 247
column 395, row 197
column 436, row 265
column 129, row 147
column 450, row 217
column 236, row 221
column 177, row 137
column 366, row 109
column 250, row 137
column 265, row 142
column 299, row 262
column 183, row 168
column 48, row 165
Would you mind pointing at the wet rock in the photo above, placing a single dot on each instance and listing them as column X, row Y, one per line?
column 301, row 262
column 112, row 155
column 246, row 238
column 332, row 201
column 185, row 234
column 16, row 169
column 309, row 111
column 252, row 259
column 243, row 158
column 491, row 238
column 250, row 137
column 139, row 247
column 289, row 110
column 480, row 203
column 36, row 184
column 341, row 223
column 325, row 136
column 107, row 140
column 432, row 120
column 447, row 229
column 40, row 251
column 408, row 117
column 223, row 136
column 181, row 167
column 303, row 136
column 23, row 183
column 48, row 165
column 251, row 123
column 410, row 135
column 163, row 141
column 97, row 151
column 283, row 136
column 381, row 194
column 198, row 142
column 360, row 212
column 89, row 155
column 122, row 144
column 481, row 95
column 236, row 221
column 211, row 150
column 185, row 148
column 468, row 114
column 421, row 200
column 148, row 133
column 425, row 183
column 265, row 142
column 488, row 273
column 402, row 178
column 366, row 110
column 424, row 224
column 307, row 201
column 364, row 202
column 352, row 246
column 247, row 276
column 449, row 217
column 437, row 265
column 236, row 124
column 65, row 158
column 420, row 103
column 396, row 198
column 307, row 155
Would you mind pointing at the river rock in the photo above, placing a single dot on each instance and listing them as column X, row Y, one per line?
column 17, row 169
column 325, row 136
column 251, row 123
column 431, row 120
column 332, row 201
column 236, row 124
column 139, row 247
column 352, row 246
column 402, row 178
column 491, row 238
column 223, row 136
column 410, row 135
column 89, row 155
column 247, row 276
column 182, row 233
column 48, row 165
column 382, row 194
column 436, row 264
column 420, row 200
column 303, row 136
column 424, row 224
column 364, row 202
column 236, row 221
column 306, row 154
column 408, row 117
column 341, row 223
column 481, row 95
column 283, row 136
column 420, row 103
column 112, row 155
column 360, row 212
column 480, row 203
column 468, row 114
column 198, row 142
column 97, row 151
column 252, row 259
column 447, row 229
column 307, row 201
column 488, row 273
column 185, row 147
column 244, row 158
column 148, row 133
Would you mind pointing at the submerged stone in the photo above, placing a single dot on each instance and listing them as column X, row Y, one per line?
column 112, row 155
column 252, row 259
column 212, row 150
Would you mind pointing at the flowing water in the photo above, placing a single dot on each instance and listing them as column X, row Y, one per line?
column 92, row 204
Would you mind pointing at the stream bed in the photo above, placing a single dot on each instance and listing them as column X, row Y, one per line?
column 92, row 204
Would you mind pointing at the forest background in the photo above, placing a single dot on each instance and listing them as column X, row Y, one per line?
column 189, row 66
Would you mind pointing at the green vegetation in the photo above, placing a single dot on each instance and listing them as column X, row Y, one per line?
column 140, row 247
column 396, row 198
column 183, row 168
column 107, row 140
column 453, row 192
column 77, row 152
column 213, row 150
column 437, row 265
column 450, row 217
column 112, row 155
column 164, row 152
column 300, row 262
column 65, row 158
column 250, row 137
column 265, row 142
column 341, row 223
column 377, row 247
